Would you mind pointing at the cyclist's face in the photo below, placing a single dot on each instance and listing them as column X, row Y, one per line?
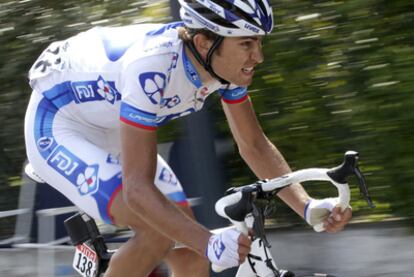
column 236, row 59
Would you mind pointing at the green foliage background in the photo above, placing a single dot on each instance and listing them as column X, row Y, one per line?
column 338, row 75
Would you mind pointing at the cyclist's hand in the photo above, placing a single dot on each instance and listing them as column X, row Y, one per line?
column 337, row 220
column 327, row 213
column 228, row 249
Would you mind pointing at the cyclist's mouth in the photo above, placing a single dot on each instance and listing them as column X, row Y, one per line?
column 248, row 70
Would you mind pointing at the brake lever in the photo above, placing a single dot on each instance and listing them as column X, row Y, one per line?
column 350, row 167
column 363, row 187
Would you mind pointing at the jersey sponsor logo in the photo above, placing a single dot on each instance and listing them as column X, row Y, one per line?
column 134, row 115
column 106, row 91
column 63, row 161
column 218, row 247
column 170, row 102
column 166, row 44
column 44, row 143
column 81, row 175
column 173, row 65
column 87, row 181
column 99, row 90
column 174, row 61
column 164, row 28
column 139, row 117
column 153, row 84
column 204, row 91
column 190, row 71
column 238, row 93
column 168, row 177
column 113, row 159
column 233, row 94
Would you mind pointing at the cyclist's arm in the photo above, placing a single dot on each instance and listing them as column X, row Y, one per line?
column 260, row 154
column 139, row 159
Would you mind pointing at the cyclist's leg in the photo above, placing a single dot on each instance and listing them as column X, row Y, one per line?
column 182, row 262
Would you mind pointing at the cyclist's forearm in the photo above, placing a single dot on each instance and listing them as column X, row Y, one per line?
column 267, row 162
column 264, row 159
column 295, row 197
column 149, row 203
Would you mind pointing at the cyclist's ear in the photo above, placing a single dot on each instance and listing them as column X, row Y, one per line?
column 202, row 44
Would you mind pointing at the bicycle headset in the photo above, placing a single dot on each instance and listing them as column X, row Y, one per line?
column 225, row 18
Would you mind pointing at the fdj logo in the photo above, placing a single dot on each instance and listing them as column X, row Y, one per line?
column 98, row 90
column 84, row 177
column 63, row 161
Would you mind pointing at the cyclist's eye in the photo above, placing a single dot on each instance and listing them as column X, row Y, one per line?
column 246, row 44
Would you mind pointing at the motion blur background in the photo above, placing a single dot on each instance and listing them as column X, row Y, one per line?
column 338, row 75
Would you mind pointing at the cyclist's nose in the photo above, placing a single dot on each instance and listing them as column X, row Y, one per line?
column 257, row 53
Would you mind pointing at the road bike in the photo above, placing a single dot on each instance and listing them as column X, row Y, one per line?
column 240, row 207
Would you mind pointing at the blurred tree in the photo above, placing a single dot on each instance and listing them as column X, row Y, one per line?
column 337, row 75
column 26, row 28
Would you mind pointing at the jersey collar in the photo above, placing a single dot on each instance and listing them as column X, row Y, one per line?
column 190, row 70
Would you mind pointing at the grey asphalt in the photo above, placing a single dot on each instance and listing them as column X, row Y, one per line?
column 360, row 251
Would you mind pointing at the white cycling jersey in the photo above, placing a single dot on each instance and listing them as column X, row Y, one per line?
column 84, row 86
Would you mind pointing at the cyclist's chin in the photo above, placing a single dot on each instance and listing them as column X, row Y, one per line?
column 241, row 80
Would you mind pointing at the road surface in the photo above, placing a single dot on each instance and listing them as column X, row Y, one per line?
column 378, row 250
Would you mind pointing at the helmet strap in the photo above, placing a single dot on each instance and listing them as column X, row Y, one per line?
column 207, row 63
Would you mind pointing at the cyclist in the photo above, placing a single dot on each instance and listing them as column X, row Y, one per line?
column 98, row 99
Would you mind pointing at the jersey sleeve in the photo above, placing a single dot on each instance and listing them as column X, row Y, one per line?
column 142, row 86
column 233, row 94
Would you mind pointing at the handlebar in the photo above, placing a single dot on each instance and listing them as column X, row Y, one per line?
column 238, row 201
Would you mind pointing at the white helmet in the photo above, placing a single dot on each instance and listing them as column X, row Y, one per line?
column 228, row 18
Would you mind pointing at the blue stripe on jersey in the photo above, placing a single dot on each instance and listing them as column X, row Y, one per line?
column 140, row 117
column 232, row 95
column 54, row 98
column 44, row 128
column 190, row 71
column 60, row 95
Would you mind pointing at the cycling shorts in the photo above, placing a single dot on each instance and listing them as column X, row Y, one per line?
column 82, row 161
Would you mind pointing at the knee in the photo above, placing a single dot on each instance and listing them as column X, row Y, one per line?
column 146, row 249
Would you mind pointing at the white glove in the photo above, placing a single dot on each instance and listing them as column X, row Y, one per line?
column 222, row 248
column 317, row 210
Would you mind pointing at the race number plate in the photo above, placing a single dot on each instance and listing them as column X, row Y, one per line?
column 85, row 260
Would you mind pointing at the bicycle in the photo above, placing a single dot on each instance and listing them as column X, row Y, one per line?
column 240, row 208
